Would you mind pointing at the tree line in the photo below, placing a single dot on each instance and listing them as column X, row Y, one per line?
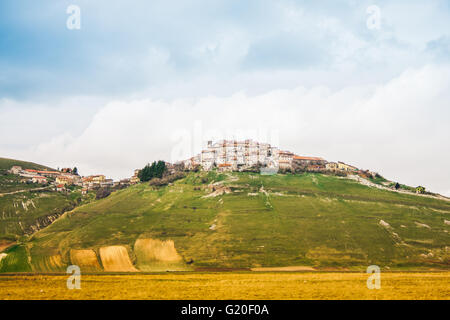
column 155, row 170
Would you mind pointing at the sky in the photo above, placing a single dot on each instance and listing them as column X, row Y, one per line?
column 364, row 82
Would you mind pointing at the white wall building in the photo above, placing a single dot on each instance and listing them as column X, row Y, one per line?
column 238, row 154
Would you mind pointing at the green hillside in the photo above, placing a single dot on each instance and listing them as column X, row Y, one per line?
column 244, row 220
column 28, row 207
column 26, row 212
column 6, row 164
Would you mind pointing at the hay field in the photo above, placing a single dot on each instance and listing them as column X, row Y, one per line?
column 245, row 285
column 116, row 259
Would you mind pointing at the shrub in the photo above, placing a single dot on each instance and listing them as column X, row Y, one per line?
column 102, row 193
column 420, row 189
column 340, row 173
column 158, row 182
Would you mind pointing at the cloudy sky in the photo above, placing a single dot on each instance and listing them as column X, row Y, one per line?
column 364, row 82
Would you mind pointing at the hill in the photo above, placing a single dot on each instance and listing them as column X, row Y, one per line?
column 6, row 164
column 244, row 220
column 28, row 207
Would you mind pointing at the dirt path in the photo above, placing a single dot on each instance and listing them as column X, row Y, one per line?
column 374, row 185
column 25, row 190
column 6, row 244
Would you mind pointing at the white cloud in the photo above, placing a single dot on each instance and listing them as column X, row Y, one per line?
column 399, row 129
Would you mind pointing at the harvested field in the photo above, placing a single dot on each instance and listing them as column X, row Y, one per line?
column 157, row 255
column 50, row 263
column 85, row 259
column 230, row 285
column 116, row 259
column 286, row 269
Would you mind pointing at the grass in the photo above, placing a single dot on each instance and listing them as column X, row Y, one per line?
column 301, row 220
column 217, row 286
column 25, row 212
column 6, row 164
column 15, row 261
column 30, row 209
column 10, row 183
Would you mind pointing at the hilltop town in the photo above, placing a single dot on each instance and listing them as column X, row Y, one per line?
column 223, row 155
column 232, row 155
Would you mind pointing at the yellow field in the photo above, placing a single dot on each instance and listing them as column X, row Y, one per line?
column 246, row 285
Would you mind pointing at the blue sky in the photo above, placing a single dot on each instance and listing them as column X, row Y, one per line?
column 156, row 56
column 191, row 39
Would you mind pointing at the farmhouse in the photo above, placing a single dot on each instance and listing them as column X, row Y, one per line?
column 39, row 179
column 135, row 178
column 45, row 173
column 346, row 167
column 15, row 169
column 64, row 180
column 331, row 166
column 285, row 159
column 309, row 160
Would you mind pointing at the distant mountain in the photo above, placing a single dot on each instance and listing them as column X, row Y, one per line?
column 211, row 220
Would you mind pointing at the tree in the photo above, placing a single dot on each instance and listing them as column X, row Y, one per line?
column 420, row 189
column 155, row 170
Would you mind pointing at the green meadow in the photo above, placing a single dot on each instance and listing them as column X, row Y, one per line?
column 314, row 220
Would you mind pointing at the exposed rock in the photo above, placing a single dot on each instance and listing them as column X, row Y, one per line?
column 423, row 225
column 384, row 224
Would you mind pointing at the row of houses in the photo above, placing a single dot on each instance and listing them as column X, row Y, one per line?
column 62, row 179
column 232, row 155
column 35, row 176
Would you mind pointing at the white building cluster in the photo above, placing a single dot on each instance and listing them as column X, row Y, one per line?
column 234, row 155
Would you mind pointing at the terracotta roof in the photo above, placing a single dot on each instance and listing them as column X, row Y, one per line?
column 224, row 165
column 307, row 158
column 41, row 171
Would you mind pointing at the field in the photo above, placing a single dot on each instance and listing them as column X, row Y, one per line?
column 249, row 221
column 27, row 207
column 229, row 285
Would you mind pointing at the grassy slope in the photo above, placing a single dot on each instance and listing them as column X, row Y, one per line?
column 6, row 164
column 20, row 211
column 10, row 182
column 308, row 219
